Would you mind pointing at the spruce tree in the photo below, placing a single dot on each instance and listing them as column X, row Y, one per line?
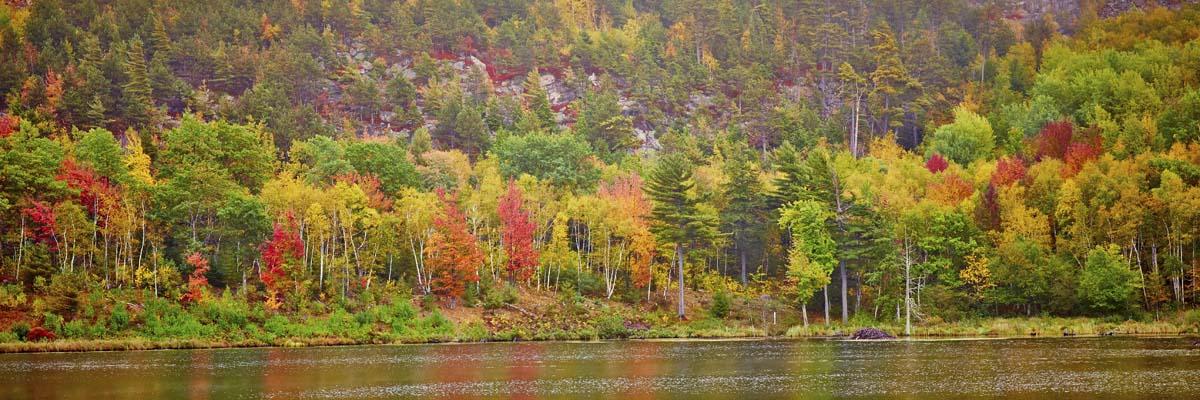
column 137, row 92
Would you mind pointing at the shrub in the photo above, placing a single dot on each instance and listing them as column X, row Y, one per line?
column 499, row 296
column 720, row 305
column 40, row 334
column 119, row 319
column 11, row 296
column 167, row 319
column 20, row 330
column 612, row 326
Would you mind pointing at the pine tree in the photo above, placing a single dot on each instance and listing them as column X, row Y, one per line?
column 746, row 213
column 537, row 104
column 137, row 92
column 677, row 220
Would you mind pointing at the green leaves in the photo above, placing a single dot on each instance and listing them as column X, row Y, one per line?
column 562, row 159
column 967, row 139
column 1107, row 284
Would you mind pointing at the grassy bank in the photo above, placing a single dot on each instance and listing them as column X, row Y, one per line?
column 1183, row 323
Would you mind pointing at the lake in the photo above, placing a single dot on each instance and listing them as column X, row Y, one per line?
column 1048, row 368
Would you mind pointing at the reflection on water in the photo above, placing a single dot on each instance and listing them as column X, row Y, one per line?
column 1020, row 368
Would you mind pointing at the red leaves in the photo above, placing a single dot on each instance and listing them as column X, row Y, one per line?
column 284, row 244
column 936, row 163
column 1079, row 153
column 1008, row 171
column 453, row 253
column 1054, row 139
column 40, row 334
column 8, row 125
column 197, row 281
column 44, row 224
column 95, row 192
column 517, row 234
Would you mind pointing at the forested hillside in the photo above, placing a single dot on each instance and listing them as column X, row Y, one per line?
column 233, row 169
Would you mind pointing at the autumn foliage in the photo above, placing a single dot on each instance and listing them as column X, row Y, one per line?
column 1054, row 139
column 198, row 280
column 453, row 255
column 936, row 164
column 44, row 225
column 284, row 246
column 1009, row 170
column 517, row 234
column 8, row 125
column 95, row 192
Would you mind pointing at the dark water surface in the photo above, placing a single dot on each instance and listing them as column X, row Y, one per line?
column 1081, row 368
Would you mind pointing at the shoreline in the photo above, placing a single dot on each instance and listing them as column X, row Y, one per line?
column 120, row 345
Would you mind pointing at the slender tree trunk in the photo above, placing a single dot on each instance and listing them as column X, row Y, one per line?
column 804, row 313
column 679, row 259
column 825, row 293
column 845, row 305
column 907, row 290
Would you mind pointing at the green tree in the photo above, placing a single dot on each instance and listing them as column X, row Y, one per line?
column 676, row 215
column 967, row 139
column 137, row 92
column 811, row 258
column 1106, row 284
column 562, row 159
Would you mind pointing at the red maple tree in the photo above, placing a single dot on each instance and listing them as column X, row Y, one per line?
column 8, row 125
column 95, row 192
column 1079, row 153
column 517, row 234
column 453, row 255
column 198, row 280
column 283, row 246
column 1054, row 139
column 936, row 163
column 44, row 223
column 1009, row 170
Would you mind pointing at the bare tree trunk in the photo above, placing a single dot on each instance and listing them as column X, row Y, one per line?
column 679, row 259
column 825, row 292
column 845, row 305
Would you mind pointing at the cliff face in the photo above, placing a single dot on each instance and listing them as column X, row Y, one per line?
column 1066, row 11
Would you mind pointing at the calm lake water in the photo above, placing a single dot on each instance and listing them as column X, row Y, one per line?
column 1083, row 368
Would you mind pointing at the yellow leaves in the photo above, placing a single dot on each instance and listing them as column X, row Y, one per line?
column 977, row 274
column 136, row 160
column 1017, row 221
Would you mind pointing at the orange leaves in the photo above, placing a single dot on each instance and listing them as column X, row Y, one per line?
column 198, row 280
column 453, row 254
column 1009, row 170
column 951, row 190
column 8, row 125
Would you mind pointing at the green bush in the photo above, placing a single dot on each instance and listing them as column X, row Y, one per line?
column 611, row 326
column 19, row 330
column 119, row 319
column 8, row 337
column 720, row 305
column 1107, row 285
column 12, row 296
column 499, row 296
column 52, row 322
column 164, row 319
column 228, row 313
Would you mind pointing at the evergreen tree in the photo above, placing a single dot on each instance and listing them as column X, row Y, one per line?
column 677, row 220
column 139, row 106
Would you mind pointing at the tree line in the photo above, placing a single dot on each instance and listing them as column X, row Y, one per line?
column 917, row 160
